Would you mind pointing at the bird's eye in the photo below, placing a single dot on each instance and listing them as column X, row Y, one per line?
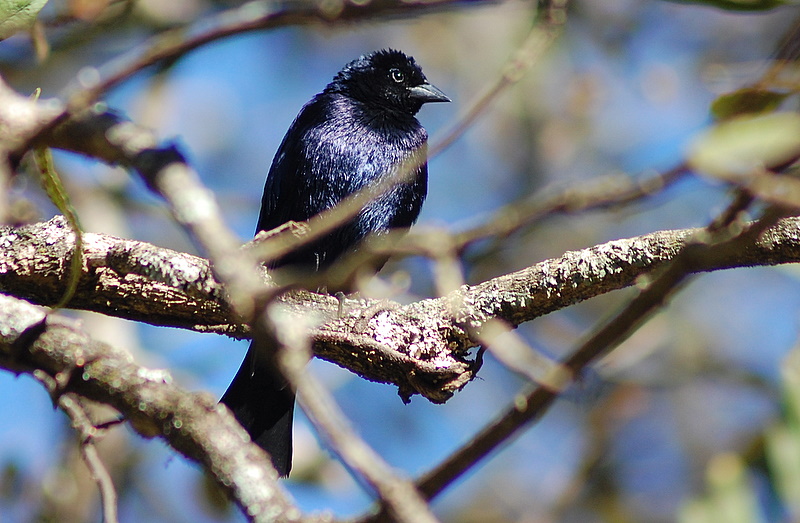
column 397, row 75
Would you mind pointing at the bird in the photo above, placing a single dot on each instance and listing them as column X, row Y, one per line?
column 361, row 128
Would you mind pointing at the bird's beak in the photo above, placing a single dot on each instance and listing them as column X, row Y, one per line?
column 428, row 93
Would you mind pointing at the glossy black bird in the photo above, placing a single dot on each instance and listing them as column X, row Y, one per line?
column 360, row 128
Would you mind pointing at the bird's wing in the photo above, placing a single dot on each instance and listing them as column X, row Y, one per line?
column 280, row 202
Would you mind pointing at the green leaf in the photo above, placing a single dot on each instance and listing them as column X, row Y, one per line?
column 750, row 100
column 783, row 456
column 790, row 374
column 737, row 149
column 746, row 150
column 737, row 5
column 58, row 195
column 730, row 498
column 18, row 15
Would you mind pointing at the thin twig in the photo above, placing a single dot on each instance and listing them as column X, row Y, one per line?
column 511, row 350
column 252, row 16
column 398, row 494
column 537, row 402
column 546, row 27
column 600, row 193
column 196, row 209
column 87, row 431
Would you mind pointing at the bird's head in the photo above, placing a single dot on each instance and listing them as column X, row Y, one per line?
column 386, row 79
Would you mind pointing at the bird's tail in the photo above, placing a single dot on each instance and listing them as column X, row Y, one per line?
column 264, row 405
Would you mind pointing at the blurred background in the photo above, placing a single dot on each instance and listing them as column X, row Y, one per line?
column 624, row 90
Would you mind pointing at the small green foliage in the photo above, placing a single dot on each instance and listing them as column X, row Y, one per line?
column 782, row 446
column 737, row 147
column 18, row 15
column 58, row 195
column 782, row 441
column 749, row 100
column 730, row 498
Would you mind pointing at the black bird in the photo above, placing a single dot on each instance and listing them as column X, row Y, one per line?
column 360, row 128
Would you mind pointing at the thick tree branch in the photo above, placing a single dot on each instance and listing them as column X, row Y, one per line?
column 420, row 347
column 31, row 339
column 124, row 278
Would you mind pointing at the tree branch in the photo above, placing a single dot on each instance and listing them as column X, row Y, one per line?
column 192, row 423
column 122, row 278
column 421, row 347
column 253, row 16
column 724, row 236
